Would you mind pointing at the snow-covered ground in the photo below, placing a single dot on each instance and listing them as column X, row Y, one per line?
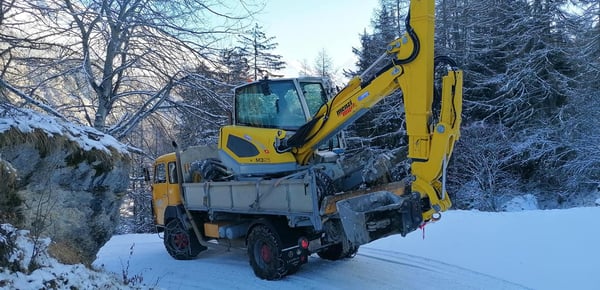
column 536, row 249
column 550, row 249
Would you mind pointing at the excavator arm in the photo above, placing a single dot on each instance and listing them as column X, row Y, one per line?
column 407, row 65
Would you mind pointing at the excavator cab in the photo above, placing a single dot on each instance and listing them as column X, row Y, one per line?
column 282, row 104
column 265, row 112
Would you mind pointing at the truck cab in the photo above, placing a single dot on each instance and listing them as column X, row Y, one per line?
column 165, row 187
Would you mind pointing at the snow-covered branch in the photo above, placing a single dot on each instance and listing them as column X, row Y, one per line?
column 30, row 99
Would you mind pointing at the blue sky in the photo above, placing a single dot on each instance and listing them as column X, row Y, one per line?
column 303, row 28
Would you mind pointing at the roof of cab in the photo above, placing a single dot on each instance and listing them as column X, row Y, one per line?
column 166, row 158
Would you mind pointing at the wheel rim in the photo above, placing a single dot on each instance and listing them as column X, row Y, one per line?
column 265, row 253
column 181, row 241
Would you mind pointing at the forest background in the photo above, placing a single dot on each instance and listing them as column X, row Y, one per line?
column 149, row 72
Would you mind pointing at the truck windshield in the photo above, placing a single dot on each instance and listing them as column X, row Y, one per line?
column 275, row 104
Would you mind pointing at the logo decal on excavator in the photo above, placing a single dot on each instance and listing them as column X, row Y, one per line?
column 345, row 109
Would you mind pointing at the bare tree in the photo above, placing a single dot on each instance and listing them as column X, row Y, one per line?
column 119, row 61
column 322, row 66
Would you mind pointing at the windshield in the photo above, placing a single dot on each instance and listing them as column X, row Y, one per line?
column 273, row 104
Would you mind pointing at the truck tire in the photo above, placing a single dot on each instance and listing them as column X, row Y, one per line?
column 212, row 169
column 264, row 251
column 335, row 237
column 336, row 252
column 180, row 243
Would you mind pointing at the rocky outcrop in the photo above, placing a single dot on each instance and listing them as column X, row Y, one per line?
column 63, row 181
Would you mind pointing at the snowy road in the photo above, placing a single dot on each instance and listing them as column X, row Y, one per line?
column 229, row 269
column 539, row 249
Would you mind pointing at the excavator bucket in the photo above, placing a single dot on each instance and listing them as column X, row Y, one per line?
column 379, row 214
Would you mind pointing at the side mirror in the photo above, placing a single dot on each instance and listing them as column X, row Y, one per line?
column 229, row 117
column 146, row 174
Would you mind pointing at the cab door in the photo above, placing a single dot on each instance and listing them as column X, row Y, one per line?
column 160, row 190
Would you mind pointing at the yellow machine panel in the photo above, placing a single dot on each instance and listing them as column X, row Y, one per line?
column 252, row 150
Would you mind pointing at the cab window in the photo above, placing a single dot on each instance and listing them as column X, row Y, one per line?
column 315, row 96
column 160, row 173
column 172, row 173
column 269, row 105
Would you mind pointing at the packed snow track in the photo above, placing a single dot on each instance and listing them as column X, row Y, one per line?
column 466, row 250
column 229, row 269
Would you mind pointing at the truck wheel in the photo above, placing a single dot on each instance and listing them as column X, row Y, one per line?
column 333, row 252
column 351, row 252
column 180, row 243
column 336, row 252
column 264, row 252
column 335, row 232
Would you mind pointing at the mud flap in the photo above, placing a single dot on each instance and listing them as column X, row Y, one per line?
column 379, row 214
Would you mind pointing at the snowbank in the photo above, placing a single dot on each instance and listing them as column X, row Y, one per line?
column 28, row 266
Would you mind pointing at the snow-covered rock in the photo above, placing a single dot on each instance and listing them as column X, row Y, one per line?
column 67, row 181
column 27, row 265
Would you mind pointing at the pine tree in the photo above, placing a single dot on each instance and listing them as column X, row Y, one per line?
column 257, row 46
column 525, row 70
column 236, row 65
column 382, row 126
column 324, row 64
column 388, row 23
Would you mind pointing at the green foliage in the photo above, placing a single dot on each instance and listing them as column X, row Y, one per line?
column 8, row 247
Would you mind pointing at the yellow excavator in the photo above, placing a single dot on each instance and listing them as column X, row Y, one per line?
column 276, row 184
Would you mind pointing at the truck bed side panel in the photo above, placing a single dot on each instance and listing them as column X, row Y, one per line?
column 293, row 196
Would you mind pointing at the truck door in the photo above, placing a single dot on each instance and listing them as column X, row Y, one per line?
column 160, row 189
